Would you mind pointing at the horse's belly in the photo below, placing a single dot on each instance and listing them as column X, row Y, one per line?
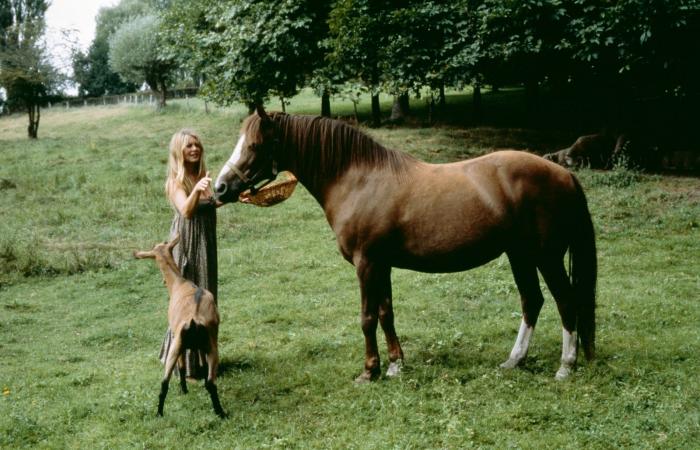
column 453, row 261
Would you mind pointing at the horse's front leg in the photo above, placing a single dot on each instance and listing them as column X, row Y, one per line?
column 386, row 319
column 371, row 286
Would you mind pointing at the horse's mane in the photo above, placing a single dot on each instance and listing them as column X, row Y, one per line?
column 326, row 148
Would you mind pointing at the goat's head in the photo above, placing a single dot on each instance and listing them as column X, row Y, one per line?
column 161, row 251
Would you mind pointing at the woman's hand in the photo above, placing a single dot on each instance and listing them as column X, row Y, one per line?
column 187, row 204
column 203, row 184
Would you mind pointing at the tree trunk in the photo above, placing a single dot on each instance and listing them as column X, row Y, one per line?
column 478, row 112
column 431, row 109
column 325, row 103
column 442, row 95
column 376, row 111
column 532, row 100
column 284, row 108
column 34, row 116
column 163, row 94
column 400, row 109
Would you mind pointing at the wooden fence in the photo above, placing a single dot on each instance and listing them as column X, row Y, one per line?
column 137, row 98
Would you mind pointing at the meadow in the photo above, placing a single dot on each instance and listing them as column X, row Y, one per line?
column 81, row 321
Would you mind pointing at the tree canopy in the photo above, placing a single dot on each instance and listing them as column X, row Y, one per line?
column 135, row 54
column 590, row 53
column 26, row 73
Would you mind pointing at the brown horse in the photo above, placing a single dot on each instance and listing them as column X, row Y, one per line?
column 389, row 209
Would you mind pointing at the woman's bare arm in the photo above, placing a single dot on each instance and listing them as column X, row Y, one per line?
column 187, row 204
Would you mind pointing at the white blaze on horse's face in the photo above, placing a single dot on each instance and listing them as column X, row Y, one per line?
column 224, row 174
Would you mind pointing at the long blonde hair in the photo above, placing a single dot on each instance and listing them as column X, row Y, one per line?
column 177, row 176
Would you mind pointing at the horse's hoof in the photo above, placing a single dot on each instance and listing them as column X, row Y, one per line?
column 563, row 373
column 511, row 364
column 394, row 369
column 366, row 377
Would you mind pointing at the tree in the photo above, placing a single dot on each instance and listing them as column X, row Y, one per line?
column 94, row 76
column 247, row 51
column 417, row 52
column 26, row 73
column 135, row 54
column 355, row 44
column 91, row 70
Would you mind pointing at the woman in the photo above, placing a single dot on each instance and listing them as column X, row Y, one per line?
column 188, row 189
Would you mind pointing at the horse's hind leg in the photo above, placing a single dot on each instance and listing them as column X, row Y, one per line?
column 557, row 280
column 525, row 274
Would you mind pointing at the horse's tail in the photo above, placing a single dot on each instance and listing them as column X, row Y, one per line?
column 583, row 271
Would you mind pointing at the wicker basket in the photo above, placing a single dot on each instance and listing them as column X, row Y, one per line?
column 275, row 192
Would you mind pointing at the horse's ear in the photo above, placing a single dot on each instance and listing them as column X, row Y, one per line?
column 261, row 113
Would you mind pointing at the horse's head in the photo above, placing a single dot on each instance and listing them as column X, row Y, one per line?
column 252, row 164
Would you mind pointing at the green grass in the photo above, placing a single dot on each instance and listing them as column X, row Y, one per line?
column 81, row 321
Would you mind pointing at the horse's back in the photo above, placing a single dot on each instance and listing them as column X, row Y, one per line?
column 448, row 217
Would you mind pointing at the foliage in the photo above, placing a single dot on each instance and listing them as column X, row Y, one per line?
column 638, row 45
column 92, row 72
column 135, row 54
column 418, row 50
column 633, row 59
column 26, row 72
column 249, row 50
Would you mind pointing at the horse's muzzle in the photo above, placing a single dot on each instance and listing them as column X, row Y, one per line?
column 224, row 194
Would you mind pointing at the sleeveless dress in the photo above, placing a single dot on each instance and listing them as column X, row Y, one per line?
column 195, row 256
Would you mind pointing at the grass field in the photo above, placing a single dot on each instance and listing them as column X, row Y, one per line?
column 81, row 321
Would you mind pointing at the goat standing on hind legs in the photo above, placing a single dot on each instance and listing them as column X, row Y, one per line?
column 194, row 322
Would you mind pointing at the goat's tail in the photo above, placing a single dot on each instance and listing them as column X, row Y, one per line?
column 584, row 268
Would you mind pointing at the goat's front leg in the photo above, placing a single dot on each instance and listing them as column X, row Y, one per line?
column 213, row 362
column 169, row 366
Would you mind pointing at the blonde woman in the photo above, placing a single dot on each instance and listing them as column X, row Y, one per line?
column 188, row 188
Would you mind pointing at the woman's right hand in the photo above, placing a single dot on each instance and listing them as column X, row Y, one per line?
column 203, row 184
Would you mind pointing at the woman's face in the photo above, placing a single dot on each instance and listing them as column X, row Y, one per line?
column 192, row 152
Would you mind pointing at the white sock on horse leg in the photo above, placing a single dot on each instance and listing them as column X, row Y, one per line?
column 568, row 354
column 522, row 343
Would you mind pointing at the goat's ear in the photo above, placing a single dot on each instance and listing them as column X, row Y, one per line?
column 141, row 255
column 174, row 242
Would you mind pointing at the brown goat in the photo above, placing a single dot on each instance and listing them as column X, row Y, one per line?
column 194, row 324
